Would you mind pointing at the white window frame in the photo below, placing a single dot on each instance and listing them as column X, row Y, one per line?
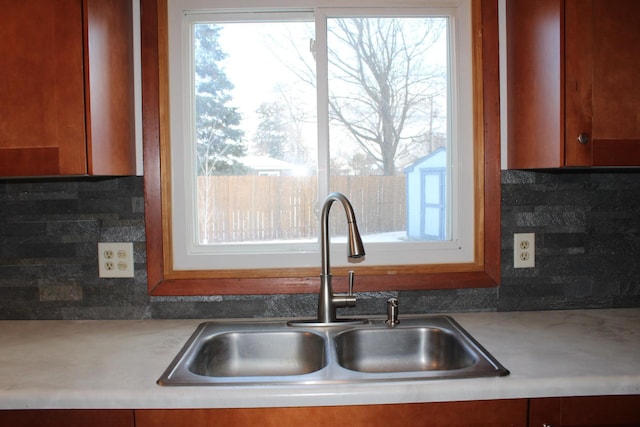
column 187, row 255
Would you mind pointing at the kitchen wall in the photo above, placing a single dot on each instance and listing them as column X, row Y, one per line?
column 587, row 226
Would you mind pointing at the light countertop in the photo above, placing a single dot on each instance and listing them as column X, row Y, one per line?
column 115, row 364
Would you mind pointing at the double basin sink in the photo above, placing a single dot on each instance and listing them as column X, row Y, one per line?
column 275, row 352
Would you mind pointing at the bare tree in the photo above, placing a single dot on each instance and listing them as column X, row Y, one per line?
column 381, row 85
column 388, row 87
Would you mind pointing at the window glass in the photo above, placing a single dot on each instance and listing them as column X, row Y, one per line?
column 279, row 108
column 255, row 130
column 388, row 110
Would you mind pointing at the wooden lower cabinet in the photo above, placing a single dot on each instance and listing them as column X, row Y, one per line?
column 68, row 418
column 491, row 413
column 591, row 411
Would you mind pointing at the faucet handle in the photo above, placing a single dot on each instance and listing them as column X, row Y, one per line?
column 352, row 278
column 346, row 300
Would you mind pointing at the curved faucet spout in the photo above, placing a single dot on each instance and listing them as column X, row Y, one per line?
column 355, row 246
column 328, row 301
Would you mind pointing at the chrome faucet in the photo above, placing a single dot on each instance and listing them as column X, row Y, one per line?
column 327, row 300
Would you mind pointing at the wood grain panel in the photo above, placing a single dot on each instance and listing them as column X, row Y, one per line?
column 68, row 418
column 587, row 411
column 110, row 94
column 535, row 84
column 42, row 87
column 29, row 161
column 493, row 413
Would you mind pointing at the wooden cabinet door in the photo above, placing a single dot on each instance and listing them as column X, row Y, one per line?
column 109, row 87
column 493, row 413
column 592, row 411
column 535, row 120
column 68, row 418
column 602, row 42
column 66, row 88
column 42, row 128
column 573, row 68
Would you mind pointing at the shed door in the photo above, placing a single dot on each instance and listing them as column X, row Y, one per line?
column 433, row 204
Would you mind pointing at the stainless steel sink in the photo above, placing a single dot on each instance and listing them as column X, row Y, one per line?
column 255, row 353
column 402, row 350
column 269, row 353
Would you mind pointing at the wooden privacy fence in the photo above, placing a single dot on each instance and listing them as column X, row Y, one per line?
column 268, row 208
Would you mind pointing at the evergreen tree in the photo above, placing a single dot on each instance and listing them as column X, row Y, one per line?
column 272, row 134
column 218, row 138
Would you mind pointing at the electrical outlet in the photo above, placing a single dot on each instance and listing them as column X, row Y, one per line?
column 115, row 260
column 524, row 250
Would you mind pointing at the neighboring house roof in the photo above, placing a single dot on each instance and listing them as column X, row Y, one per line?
column 266, row 163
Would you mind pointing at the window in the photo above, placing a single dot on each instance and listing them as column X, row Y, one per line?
column 341, row 163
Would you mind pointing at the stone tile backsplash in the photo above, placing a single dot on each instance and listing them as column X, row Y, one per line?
column 587, row 226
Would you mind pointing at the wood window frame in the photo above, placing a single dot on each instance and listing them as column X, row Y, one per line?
column 164, row 281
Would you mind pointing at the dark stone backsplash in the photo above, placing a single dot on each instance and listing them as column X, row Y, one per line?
column 587, row 226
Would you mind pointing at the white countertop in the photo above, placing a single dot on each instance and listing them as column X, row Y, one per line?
column 115, row 364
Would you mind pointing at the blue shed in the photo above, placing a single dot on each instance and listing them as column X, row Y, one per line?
column 427, row 197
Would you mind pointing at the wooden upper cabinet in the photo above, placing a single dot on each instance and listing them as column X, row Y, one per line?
column 573, row 81
column 66, row 88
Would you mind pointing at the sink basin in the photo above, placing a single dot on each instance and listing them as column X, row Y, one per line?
column 402, row 350
column 236, row 354
column 270, row 352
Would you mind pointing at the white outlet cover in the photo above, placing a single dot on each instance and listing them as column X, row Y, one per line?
column 115, row 260
column 524, row 243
